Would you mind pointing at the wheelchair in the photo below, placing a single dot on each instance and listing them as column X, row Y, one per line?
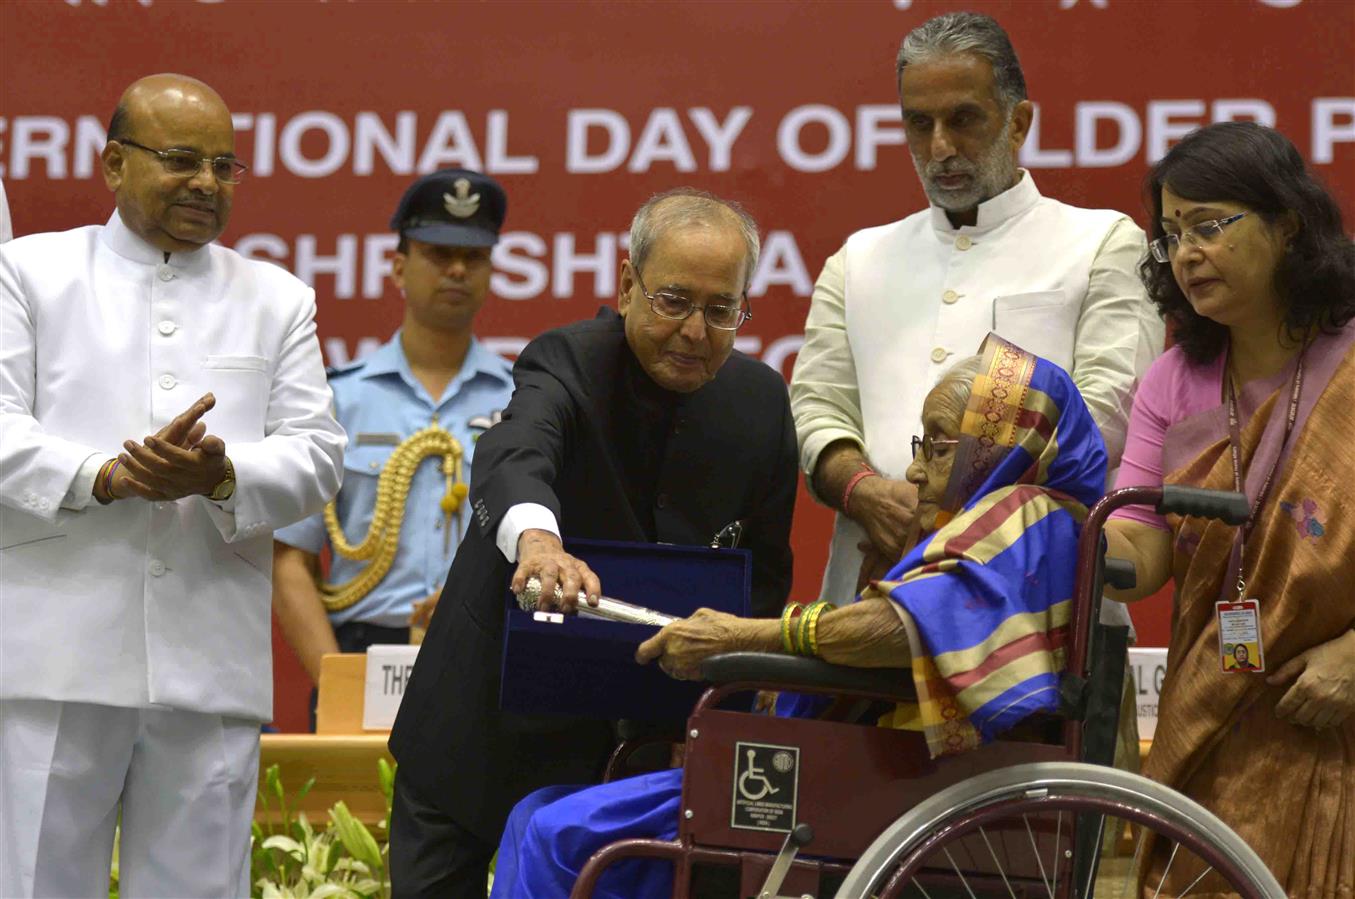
column 794, row 804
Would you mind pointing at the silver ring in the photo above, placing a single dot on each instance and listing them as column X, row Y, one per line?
column 530, row 595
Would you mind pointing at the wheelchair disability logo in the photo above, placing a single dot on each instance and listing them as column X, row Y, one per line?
column 766, row 781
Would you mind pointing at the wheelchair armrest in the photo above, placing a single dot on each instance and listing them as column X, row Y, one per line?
column 787, row 672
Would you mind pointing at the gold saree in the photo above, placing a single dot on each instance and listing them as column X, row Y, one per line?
column 1289, row 791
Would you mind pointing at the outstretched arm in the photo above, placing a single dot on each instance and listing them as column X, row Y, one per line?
column 865, row 634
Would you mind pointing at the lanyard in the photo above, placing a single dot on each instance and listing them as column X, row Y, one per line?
column 1235, row 446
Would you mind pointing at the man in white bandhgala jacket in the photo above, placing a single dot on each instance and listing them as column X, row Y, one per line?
column 900, row 303
column 163, row 407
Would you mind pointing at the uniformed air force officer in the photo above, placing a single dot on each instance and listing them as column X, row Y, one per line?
column 135, row 642
column 413, row 410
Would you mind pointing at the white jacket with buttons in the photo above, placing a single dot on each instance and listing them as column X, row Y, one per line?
column 899, row 304
column 102, row 340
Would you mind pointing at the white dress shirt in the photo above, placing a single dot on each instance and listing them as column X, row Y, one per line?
column 103, row 339
column 899, row 304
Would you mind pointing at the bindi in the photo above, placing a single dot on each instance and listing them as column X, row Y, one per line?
column 1178, row 213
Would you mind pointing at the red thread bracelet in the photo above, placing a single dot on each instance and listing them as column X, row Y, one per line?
column 855, row 479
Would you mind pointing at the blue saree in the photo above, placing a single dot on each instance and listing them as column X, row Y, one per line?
column 985, row 601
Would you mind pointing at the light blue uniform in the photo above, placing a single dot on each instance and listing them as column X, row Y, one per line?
column 380, row 403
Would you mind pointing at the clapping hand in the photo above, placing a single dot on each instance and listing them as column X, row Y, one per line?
column 180, row 460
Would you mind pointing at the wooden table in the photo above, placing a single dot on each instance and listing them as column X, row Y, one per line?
column 340, row 756
column 344, row 768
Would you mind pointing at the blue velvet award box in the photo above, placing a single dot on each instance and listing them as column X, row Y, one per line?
column 585, row 667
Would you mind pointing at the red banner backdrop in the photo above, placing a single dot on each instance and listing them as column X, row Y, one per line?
column 583, row 109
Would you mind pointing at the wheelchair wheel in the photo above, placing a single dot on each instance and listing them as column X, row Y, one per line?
column 1008, row 833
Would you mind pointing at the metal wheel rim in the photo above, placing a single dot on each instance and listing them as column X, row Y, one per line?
column 1117, row 793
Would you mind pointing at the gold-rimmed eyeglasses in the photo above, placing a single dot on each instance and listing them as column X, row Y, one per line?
column 186, row 163
column 927, row 444
column 672, row 306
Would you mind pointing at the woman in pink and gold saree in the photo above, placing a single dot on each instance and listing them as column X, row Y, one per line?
column 1254, row 271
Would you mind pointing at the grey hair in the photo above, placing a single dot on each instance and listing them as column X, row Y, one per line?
column 955, row 386
column 686, row 207
column 967, row 32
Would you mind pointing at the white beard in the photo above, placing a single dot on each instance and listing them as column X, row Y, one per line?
column 993, row 172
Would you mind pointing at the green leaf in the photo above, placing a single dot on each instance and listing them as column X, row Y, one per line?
column 386, row 774
column 333, row 851
column 273, row 777
column 301, row 793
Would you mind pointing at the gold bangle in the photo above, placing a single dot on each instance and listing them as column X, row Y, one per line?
column 799, row 635
column 787, row 615
column 812, row 631
column 801, row 632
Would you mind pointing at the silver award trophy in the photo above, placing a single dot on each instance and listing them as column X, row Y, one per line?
column 607, row 608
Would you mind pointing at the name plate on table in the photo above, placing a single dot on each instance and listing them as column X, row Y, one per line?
column 585, row 667
column 388, row 670
column 1149, row 666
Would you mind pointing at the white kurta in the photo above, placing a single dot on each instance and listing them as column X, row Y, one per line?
column 102, row 340
column 901, row 303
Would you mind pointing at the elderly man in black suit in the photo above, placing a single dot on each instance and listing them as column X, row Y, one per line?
column 642, row 426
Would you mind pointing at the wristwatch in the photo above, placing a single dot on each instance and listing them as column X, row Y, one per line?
column 226, row 489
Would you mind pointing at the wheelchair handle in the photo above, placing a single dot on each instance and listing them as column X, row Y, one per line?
column 1225, row 506
column 1228, row 507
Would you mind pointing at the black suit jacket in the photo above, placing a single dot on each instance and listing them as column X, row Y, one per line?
column 729, row 454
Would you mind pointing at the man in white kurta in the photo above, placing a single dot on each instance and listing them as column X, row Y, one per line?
column 164, row 408
column 899, row 304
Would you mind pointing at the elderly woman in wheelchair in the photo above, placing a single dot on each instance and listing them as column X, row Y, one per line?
column 1007, row 466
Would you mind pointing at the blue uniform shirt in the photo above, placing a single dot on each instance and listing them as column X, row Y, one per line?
column 380, row 403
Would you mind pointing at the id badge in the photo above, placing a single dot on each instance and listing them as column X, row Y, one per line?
column 1240, row 649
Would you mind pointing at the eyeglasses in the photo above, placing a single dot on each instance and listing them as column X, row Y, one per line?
column 927, row 445
column 678, row 308
column 1201, row 235
column 186, row 163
